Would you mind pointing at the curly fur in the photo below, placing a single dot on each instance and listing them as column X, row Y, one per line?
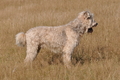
column 59, row 39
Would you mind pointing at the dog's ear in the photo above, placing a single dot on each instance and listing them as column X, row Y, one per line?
column 86, row 15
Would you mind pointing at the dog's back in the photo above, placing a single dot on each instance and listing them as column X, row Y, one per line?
column 48, row 37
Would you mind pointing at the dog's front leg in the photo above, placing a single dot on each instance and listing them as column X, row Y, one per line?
column 67, row 60
column 67, row 52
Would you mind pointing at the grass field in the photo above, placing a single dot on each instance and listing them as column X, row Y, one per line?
column 96, row 58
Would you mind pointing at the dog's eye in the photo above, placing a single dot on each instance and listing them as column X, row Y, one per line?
column 89, row 18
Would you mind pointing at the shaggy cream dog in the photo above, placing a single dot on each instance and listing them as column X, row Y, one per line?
column 59, row 39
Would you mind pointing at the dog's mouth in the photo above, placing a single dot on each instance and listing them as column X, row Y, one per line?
column 90, row 30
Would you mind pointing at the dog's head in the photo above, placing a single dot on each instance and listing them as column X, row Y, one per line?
column 88, row 21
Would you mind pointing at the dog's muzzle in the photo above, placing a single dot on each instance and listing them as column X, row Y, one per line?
column 90, row 30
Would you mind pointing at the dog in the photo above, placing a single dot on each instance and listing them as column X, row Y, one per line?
column 59, row 39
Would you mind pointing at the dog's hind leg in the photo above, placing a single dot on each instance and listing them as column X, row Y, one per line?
column 32, row 51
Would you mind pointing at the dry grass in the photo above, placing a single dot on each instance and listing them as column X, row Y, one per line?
column 97, row 56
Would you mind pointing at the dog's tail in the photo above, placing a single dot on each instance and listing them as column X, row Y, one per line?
column 21, row 39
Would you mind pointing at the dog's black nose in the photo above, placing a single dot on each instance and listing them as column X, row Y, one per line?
column 96, row 24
